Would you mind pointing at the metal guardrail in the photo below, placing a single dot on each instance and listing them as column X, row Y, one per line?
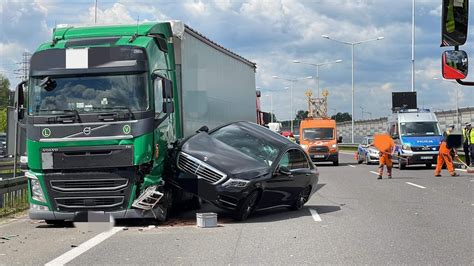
column 13, row 192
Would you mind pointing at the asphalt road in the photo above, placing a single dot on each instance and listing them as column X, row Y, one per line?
column 354, row 218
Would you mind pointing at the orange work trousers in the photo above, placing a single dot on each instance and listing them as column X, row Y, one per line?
column 444, row 157
column 385, row 159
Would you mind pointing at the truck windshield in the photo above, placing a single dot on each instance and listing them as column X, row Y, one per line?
column 318, row 133
column 89, row 94
column 419, row 128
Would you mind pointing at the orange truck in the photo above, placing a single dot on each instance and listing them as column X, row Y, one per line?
column 318, row 138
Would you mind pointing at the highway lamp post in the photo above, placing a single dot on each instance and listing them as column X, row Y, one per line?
column 457, row 99
column 317, row 65
column 271, row 106
column 291, row 94
column 352, row 44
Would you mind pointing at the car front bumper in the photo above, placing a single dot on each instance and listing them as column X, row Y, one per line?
column 324, row 157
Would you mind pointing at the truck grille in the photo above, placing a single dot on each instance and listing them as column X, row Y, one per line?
column 191, row 165
column 84, row 190
column 85, row 185
column 89, row 202
column 315, row 149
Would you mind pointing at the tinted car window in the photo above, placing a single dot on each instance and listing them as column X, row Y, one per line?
column 294, row 159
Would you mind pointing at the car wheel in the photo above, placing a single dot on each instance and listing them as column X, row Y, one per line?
column 302, row 198
column 247, row 206
column 367, row 160
column 359, row 161
column 401, row 165
column 336, row 162
column 195, row 203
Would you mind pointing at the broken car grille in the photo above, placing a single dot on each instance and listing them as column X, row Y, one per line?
column 192, row 165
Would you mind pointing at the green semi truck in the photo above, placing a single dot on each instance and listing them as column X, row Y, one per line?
column 103, row 106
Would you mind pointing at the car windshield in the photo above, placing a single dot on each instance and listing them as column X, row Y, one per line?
column 419, row 128
column 90, row 94
column 318, row 133
column 253, row 146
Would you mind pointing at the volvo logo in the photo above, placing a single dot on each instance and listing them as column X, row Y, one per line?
column 87, row 131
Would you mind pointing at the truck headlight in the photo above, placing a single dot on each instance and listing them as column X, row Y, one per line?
column 236, row 183
column 304, row 146
column 406, row 147
column 334, row 146
column 35, row 186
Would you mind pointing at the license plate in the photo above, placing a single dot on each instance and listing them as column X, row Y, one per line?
column 318, row 156
column 426, row 157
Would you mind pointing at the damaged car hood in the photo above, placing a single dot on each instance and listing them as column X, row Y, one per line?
column 223, row 157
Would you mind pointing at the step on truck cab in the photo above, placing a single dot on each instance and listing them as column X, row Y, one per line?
column 104, row 104
column 417, row 136
column 318, row 136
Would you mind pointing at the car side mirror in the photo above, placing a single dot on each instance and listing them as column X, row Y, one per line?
column 339, row 140
column 455, row 64
column 203, row 129
column 284, row 170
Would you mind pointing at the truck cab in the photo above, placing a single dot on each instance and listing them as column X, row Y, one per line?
column 417, row 136
column 318, row 139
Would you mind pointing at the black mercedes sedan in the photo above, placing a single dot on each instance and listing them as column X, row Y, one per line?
column 245, row 167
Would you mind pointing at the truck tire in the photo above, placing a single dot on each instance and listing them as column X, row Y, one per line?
column 336, row 162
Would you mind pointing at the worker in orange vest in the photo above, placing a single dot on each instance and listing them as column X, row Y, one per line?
column 445, row 155
column 385, row 159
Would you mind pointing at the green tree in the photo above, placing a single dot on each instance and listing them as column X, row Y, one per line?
column 300, row 115
column 341, row 117
column 4, row 92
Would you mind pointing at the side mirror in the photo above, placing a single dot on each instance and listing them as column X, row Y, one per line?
column 455, row 64
column 284, row 170
column 168, row 107
column 339, row 140
column 167, row 89
column 203, row 129
column 395, row 136
column 454, row 22
column 20, row 100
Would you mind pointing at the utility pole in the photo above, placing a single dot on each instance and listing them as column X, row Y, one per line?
column 22, row 71
column 413, row 47
column 95, row 13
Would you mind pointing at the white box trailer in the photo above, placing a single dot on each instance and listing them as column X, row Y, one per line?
column 216, row 86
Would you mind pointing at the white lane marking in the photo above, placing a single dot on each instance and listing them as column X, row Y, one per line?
column 75, row 252
column 353, row 166
column 375, row 173
column 415, row 185
column 315, row 215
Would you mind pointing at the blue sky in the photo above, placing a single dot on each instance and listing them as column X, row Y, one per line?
column 273, row 33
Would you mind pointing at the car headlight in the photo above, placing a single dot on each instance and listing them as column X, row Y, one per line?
column 334, row 146
column 35, row 186
column 236, row 183
column 406, row 147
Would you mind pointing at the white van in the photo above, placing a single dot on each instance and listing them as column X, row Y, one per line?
column 417, row 136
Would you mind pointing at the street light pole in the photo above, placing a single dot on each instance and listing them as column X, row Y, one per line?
column 457, row 99
column 352, row 44
column 317, row 65
column 291, row 94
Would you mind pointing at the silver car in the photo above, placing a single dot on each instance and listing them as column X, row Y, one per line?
column 366, row 153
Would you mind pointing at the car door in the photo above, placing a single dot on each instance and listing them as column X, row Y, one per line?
column 288, row 178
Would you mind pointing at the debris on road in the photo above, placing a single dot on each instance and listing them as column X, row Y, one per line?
column 8, row 237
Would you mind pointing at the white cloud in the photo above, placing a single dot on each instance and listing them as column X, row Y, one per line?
column 436, row 12
column 117, row 14
column 223, row 4
column 197, row 8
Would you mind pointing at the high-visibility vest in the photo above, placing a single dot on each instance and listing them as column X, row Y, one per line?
column 468, row 136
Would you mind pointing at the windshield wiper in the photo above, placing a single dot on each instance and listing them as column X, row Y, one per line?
column 118, row 107
column 63, row 118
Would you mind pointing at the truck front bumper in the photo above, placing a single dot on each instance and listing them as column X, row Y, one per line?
column 124, row 214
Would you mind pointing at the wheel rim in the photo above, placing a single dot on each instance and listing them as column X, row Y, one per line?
column 251, row 204
column 303, row 198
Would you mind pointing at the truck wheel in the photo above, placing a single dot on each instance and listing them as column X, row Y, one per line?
column 336, row 162
column 247, row 206
column 428, row 165
column 195, row 203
